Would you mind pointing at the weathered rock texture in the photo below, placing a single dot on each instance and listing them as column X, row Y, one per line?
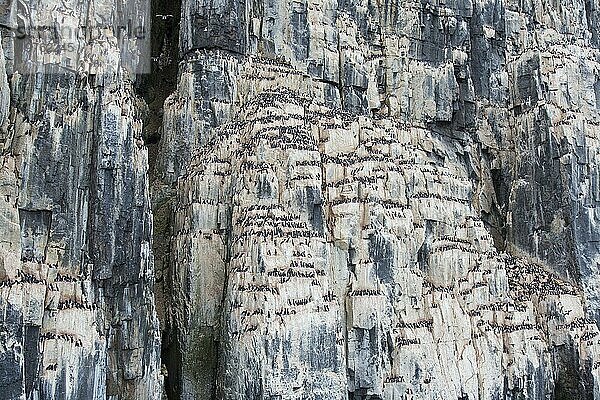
column 389, row 200
column 354, row 200
column 76, row 274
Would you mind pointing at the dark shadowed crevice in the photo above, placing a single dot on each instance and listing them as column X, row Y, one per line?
column 570, row 382
column 162, row 81
column 495, row 219
column 154, row 88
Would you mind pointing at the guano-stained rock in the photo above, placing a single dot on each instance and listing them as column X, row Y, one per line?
column 384, row 200
column 76, row 273
column 354, row 200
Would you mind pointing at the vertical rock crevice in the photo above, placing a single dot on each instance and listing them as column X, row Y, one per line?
column 154, row 88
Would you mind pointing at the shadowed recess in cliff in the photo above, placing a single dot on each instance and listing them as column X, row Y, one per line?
column 154, row 88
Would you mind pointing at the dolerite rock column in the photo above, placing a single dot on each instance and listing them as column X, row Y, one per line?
column 370, row 201
column 76, row 268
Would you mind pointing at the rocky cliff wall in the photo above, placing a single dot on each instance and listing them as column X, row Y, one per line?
column 384, row 200
column 76, row 267
column 352, row 199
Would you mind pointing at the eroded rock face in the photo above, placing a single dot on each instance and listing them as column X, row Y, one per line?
column 384, row 201
column 363, row 200
column 76, row 273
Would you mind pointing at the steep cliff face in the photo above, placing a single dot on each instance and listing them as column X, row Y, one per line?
column 76, row 273
column 353, row 200
column 384, row 200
